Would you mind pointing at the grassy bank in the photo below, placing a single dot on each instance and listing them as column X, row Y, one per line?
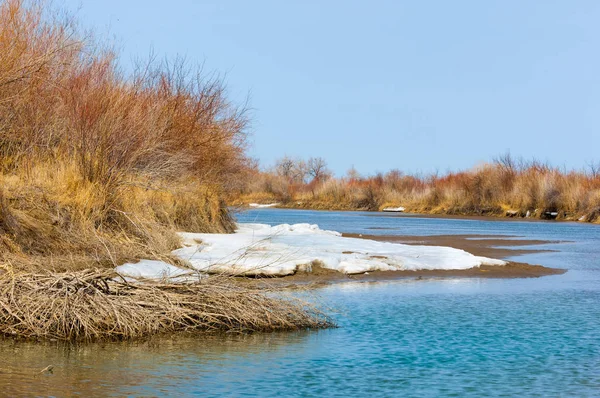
column 98, row 168
column 504, row 187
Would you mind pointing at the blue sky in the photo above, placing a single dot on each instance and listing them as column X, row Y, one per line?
column 420, row 85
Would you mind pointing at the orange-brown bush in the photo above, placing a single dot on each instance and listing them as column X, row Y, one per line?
column 96, row 168
column 504, row 187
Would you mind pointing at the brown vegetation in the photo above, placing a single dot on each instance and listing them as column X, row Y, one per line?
column 96, row 169
column 92, row 305
column 505, row 187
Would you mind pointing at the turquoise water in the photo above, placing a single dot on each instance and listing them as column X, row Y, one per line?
column 459, row 337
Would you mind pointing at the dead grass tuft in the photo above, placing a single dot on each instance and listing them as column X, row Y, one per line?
column 98, row 304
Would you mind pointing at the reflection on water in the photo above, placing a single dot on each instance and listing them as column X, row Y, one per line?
column 458, row 337
column 182, row 364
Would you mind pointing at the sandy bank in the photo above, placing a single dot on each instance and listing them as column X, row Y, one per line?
column 260, row 250
column 495, row 246
column 478, row 245
column 510, row 270
column 303, row 252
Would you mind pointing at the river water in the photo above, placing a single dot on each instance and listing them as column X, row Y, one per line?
column 432, row 337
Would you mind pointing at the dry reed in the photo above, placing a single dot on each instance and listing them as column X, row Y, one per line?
column 96, row 168
column 98, row 304
column 505, row 187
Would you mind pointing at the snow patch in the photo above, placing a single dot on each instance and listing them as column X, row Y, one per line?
column 394, row 209
column 259, row 249
column 261, row 206
column 158, row 271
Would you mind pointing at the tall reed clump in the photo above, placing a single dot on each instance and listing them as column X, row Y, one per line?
column 504, row 187
column 96, row 168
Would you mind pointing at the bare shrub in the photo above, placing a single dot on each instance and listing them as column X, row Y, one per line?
column 98, row 168
column 506, row 186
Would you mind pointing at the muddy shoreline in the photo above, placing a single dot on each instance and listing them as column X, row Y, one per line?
column 416, row 214
column 493, row 246
column 479, row 245
column 490, row 217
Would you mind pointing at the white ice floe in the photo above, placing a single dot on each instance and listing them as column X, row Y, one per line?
column 258, row 249
column 261, row 206
column 394, row 209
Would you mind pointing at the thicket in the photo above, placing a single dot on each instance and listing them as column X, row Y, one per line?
column 96, row 167
column 506, row 186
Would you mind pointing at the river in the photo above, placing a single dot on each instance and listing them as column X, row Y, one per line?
column 431, row 337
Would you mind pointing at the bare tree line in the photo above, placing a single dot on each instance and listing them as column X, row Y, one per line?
column 300, row 171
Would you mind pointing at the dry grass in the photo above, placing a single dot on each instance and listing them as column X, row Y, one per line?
column 95, row 168
column 506, row 186
column 91, row 305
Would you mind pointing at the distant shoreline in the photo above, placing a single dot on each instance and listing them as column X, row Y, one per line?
column 504, row 187
column 415, row 214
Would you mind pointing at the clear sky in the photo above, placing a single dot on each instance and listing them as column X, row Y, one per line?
column 414, row 85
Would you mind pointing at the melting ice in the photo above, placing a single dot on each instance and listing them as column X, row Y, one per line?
column 259, row 249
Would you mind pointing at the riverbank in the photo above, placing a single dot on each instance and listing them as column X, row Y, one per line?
column 511, row 270
column 493, row 246
column 98, row 169
column 101, row 305
column 489, row 214
column 499, row 247
column 504, row 187
column 303, row 253
column 150, row 297
column 322, row 277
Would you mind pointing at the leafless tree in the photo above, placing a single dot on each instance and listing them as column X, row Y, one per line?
column 317, row 169
column 285, row 167
column 294, row 170
column 300, row 171
column 593, row 169
column 352, row 174
column 506, row 162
